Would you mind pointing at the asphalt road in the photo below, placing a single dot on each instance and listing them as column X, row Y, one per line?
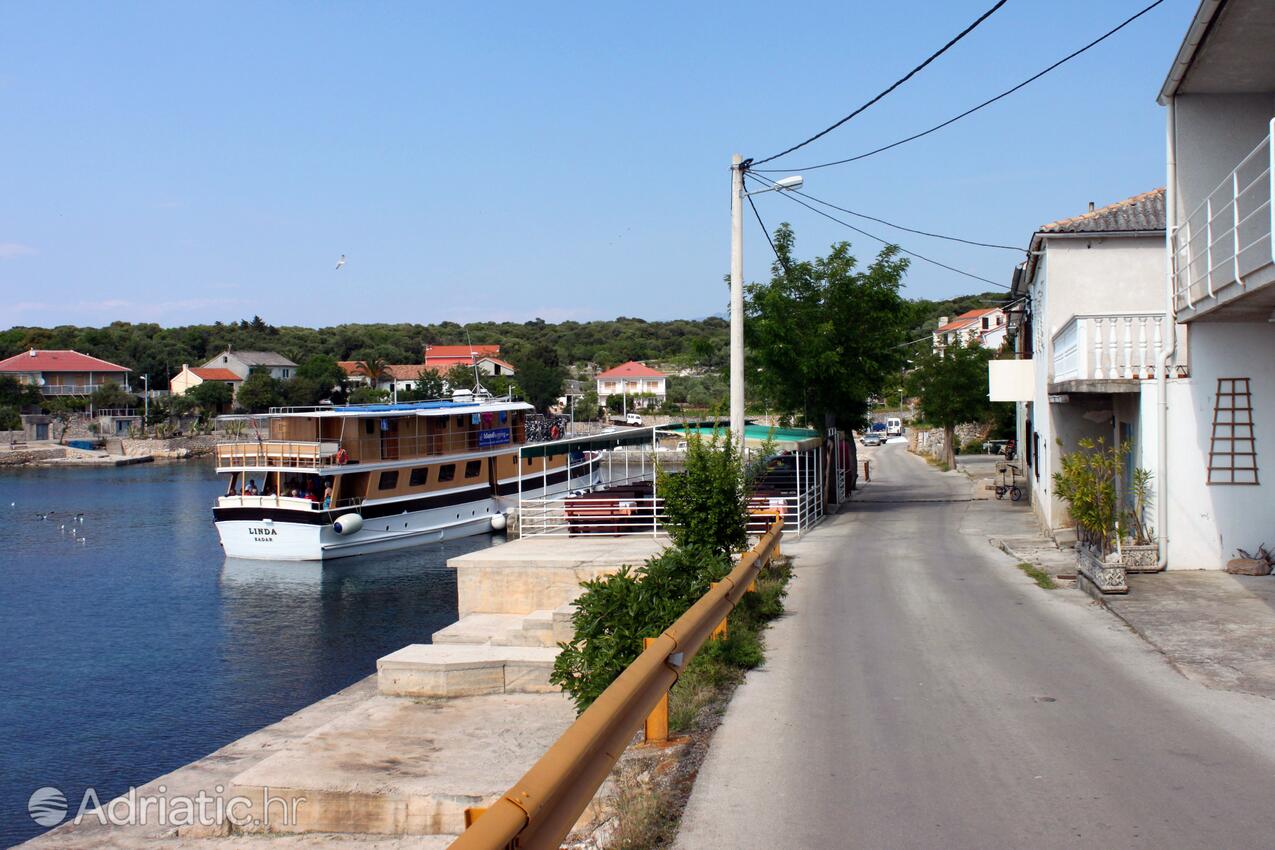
column 922, row 693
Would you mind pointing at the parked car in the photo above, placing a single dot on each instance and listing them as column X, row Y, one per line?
column 878, row 427
column 873, row 438
column 633, row 419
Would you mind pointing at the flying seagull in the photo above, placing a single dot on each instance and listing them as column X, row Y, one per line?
column 340, row 262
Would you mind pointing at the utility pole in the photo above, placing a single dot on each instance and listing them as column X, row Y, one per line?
column 737, row 299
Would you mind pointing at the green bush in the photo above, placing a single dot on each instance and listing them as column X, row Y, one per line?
column 616, row 612
column 706, row 503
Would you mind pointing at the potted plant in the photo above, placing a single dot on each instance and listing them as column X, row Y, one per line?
column 1087, row 482
column 1140, row 553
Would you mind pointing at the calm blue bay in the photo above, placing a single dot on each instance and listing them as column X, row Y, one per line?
column 141, row 648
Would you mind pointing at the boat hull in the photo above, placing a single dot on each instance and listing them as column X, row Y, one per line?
column 270, row 535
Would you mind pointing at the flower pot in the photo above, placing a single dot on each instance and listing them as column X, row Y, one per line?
column 1140, row 558
column 1104, row 576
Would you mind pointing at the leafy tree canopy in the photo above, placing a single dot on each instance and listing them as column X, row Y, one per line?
column 824, row 335
column 952, row 387
column 259, row 392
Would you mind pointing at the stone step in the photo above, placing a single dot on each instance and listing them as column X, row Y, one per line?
column 534, row 629
column 404, row 767
column 462, row 670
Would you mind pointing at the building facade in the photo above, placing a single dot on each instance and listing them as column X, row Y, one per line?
column 640, row 385
column 62, row 372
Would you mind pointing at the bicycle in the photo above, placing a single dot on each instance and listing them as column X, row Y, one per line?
column 1008, row 487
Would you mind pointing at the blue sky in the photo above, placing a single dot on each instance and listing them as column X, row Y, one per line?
column 187, row 163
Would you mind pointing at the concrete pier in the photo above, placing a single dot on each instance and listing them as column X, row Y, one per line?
column 395, row 760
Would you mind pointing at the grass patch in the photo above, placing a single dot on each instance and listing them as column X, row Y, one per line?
column 643, row 812
column 1036, row 574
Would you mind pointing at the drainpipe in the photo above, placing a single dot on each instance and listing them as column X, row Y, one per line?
column 1171, row 334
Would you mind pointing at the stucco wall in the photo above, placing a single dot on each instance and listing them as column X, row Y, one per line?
column 1214, row 132
column 1207, row 522
column 1102, row 275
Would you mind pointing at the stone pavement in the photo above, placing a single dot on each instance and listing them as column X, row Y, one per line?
column 1215, row 628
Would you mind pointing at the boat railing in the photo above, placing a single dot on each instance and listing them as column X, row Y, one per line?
column 283, row 502
column 288, row 453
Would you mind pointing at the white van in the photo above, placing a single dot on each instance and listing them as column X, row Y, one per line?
column 894, row 427
column 632, row 419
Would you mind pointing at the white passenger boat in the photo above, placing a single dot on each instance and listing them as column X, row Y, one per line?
column 330, row 482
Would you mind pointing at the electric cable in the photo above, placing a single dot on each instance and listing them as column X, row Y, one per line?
column 895, row 84
column 892, row 224
column 974, row 109
column 887, row 242
column 767, row 232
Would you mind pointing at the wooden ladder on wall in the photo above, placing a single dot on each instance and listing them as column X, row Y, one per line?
column 1233, row 447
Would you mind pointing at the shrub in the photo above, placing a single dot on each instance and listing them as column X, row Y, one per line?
column 616, row 612
column 1089, row 482
column 706, row 504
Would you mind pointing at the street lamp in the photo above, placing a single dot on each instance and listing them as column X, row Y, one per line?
column 146, row 403
column 737, row 196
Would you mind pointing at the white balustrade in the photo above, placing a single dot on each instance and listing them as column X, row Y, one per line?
column 1109, row 347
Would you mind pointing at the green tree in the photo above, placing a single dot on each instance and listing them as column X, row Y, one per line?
column 459, row 377
column 952, row 387
column 259, row 392
column 10, row 419
column 824, row 335
column 541, row 377
column 587, row 405
column 211, row 397
column 706, row 502
column 323, row 370
column 368, row 395
column 112, row 396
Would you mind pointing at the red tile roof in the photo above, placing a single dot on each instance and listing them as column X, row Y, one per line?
column 965, row 319
column 432, row 351
column 61, row 360
column 399, row 372
column 632, row 369
column 216, row 374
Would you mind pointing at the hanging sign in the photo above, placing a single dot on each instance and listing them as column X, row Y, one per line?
column 493, row 437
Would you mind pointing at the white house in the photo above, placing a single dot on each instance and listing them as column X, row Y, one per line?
column 244, row 362
column 1090, row 318
column 987, row 327
column 187, row 378
column 634, row 380
column 1220, row 101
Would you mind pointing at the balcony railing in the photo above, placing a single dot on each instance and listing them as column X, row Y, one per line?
column 1228, row 236
column 1107, row 347
column 78, row 389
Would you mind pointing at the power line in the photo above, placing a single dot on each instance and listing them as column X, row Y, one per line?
column 987, row 102
column 767, row 232
column 892, row 224
column 895, row 84
column 859, row 230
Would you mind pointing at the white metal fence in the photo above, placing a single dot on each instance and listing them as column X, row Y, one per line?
column 627, row 501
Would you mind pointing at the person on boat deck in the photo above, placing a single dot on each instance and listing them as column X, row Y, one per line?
column 251, row 489
column 327, row 496
column 312, row 492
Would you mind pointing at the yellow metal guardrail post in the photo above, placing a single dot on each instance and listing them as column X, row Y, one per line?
column 655, row 729
column 542, row 806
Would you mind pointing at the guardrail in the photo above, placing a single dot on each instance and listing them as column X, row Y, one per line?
column 540, row 809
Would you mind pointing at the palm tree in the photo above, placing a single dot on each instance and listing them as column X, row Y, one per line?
column 375, row 368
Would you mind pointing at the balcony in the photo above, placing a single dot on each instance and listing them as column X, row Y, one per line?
column 1116, row 350
column 1223, row 249
column 77, row 389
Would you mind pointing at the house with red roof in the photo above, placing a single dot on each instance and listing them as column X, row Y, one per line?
column 64, row 372
column 636, row 381
column 985, row 327
column 441, row 358
column 188, row 378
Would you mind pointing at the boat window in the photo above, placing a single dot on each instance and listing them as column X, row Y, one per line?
column 447, row 473
column 389, row 480
column 473, row 469
column 369, row 426
column 460, row 421
column 420, row 475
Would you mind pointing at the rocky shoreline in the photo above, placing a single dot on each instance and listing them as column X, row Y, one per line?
column 116, row 452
